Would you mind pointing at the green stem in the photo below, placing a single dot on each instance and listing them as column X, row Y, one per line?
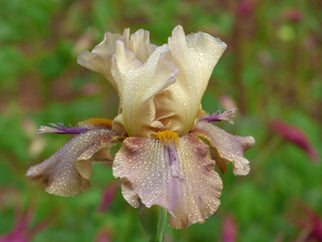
column 153, row 221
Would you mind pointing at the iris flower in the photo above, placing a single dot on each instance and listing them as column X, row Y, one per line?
column 170, row 150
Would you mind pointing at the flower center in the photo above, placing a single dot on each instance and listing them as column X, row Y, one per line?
column 168, row 138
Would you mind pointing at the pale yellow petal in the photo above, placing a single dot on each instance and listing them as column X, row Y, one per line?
column 140, row 44
column 138, row 84
column 195, row 56
column 99, row 59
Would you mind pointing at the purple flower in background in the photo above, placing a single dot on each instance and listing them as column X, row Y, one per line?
column 294, row 135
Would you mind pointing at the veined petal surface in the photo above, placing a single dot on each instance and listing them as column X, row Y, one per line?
column 225, row 147
column 180, row 179
column 65, row 175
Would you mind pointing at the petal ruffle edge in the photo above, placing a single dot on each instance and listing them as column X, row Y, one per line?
column 195, row 56
column 67, row 172
column 225, row 147
column 180, row 179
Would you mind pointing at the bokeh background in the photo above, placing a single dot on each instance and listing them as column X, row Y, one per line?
column 271, row 71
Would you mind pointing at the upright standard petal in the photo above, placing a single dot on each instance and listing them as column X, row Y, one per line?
column 139, row 44
column 195, row 56
column 225, row 147
column 67, row 172
column 179, row 178
column 99, row 59
column 139, row 83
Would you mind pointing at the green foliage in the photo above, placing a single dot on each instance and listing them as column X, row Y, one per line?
column 271, row 69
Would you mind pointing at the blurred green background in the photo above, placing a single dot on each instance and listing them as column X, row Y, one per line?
column 271, row 69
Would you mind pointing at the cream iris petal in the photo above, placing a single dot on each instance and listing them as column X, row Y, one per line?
column 138, row 84
column 61, row 173
column 140, row 44
column 99, row 59
column 195, row 56
column 181, row 178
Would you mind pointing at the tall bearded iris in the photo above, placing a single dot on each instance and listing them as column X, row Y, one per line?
column 170, row 150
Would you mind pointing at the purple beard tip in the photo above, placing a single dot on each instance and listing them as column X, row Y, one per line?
column 217, row 116
column 60, row 129
column 69, row 130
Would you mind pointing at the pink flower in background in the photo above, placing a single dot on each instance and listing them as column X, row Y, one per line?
column 103, row 235
column 293, row 15
column 229, row 229
column 246, row 7
column 309, row 222
column 22, row 230
column 108, row 197
column 294, row 135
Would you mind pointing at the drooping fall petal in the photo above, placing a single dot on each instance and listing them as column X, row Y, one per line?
column 180, row 179
column 225, row 147
column 67, row 172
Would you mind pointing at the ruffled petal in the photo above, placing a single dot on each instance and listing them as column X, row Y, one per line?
column 138, row 84
column 99, row 59
column 180, row 179
column 140, row 45
column 225, row 148
column 195, row 56
column 67, row 172
column 142, row 74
